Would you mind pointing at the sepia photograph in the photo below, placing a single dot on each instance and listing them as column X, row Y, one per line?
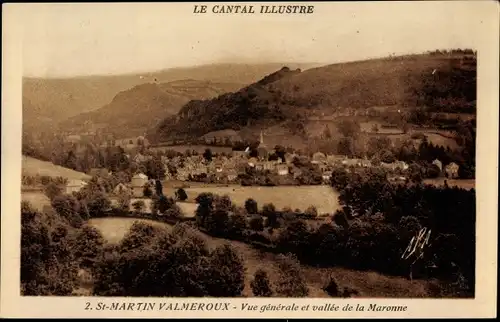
column 217, row 150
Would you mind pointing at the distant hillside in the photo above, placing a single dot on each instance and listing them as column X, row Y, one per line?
column 289, row 99
column 32, row 167
column 56, row 99
column 134, row 111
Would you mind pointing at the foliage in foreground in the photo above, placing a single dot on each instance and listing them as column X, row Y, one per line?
column 155, row 262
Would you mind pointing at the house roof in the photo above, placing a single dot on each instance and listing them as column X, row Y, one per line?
column 140, row 176
column 76, row 183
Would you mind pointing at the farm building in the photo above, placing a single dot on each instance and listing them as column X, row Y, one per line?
column 326, row 176
column 252, row 162
column 452, row 170
column 282, row 169
column 439, row 164
column 138, row 182
column 318, row 157
column 75, row 185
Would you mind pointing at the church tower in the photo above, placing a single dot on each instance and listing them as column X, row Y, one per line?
column 261, row 141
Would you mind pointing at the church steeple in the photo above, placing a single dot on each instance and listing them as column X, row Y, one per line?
column 261, row 142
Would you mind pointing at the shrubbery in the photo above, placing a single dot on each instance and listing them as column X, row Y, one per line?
column 149, row 262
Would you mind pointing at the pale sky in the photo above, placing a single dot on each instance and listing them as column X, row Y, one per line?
column 86, row 39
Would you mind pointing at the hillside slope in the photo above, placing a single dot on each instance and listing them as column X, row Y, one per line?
column 56, row 99
column 292, row 99
column 32, row 167
column 135, row 110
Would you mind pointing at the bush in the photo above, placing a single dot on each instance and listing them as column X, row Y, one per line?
column 68, row 208
column 251, row 206
column 227, row 272
column 181, row 194
column 89, row 245
column 257, row 223
column 48, row 264
column 237, row 224
column 138, row 206
column 291, row 283
column 153, row 268
column 147, row 192
column 174, row 212
column 52, row 190
column 260, row 284
column 311, row 212
column 332, row 288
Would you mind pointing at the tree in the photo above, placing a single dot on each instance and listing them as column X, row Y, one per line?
column 251, row 206
column 227, row 272
column 332, row 287
column 291, row 283
column 311, row 212
column 280, row 152
column 257, row 223
column 147, row 191
column 269, row 211
column 89, row 245
column 346, row 146
column 158, row 188
column 349, row 128
column 207, row 155
column 68, row 208
column 98, row 203
column 174, row 212
column 124, row 201
column 260, row 284
column 237, row 224
column 181, row 194
column 52, row 190
column 48, row 264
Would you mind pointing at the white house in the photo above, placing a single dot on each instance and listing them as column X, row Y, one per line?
column 439, row 164
column 452, row 170
column 138, row 182
column 282, row 169
column 75, row 185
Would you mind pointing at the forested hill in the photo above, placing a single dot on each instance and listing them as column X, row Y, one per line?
column 134, row 111
column 437, row 81
column 47, row 101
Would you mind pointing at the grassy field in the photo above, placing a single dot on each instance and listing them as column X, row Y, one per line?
column 37, row 199
column 369, row 284
column 461, row 183
column 32, row 167
column 114, row 229
column 324, row 198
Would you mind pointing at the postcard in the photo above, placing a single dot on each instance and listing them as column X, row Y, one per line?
column 256, row 159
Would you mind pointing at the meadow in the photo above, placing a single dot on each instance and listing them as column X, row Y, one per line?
column 32, row 167
column 36, row 198
column 369, row 284
column 324, row 198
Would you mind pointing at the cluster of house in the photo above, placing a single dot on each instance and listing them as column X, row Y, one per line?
column 227, row 168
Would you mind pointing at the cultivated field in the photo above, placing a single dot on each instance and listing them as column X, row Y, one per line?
column 369, row 284
column 33, row 167
column 37, row 199
column 114, row 229
column 324, row 198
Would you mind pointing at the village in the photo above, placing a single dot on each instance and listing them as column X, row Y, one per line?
column 229, row 169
